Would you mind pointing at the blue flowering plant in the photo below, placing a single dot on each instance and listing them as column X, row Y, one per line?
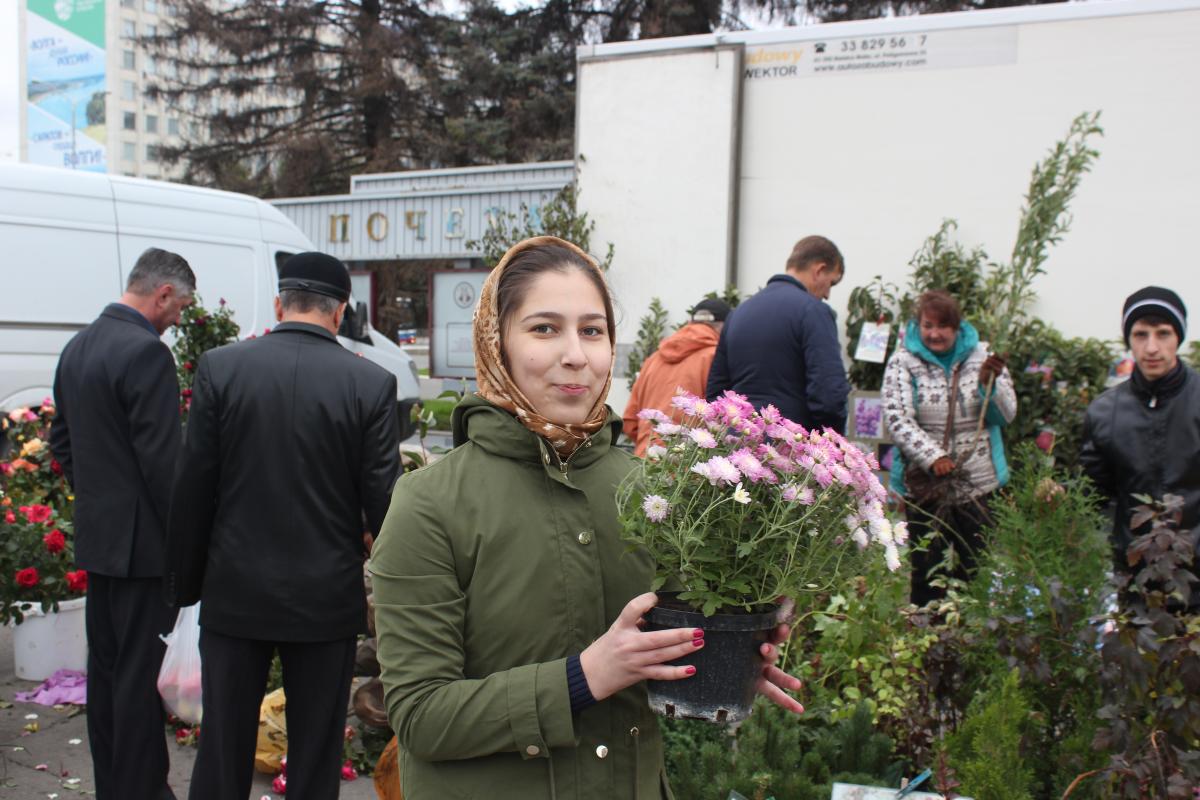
column 740, row 507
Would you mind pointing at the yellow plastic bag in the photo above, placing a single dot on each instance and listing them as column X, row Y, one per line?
column 272, row 733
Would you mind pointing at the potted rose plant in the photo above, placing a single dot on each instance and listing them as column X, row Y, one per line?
column 41, row 590
column 738, row 509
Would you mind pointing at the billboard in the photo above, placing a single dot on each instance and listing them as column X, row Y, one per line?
column 65, row 65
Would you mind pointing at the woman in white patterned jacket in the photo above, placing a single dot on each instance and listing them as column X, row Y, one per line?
column 947, row 467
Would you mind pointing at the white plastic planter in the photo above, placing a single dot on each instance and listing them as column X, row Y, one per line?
column 47, row 642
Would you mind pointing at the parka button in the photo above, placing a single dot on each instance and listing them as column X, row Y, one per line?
column 584, row 537
column 601, row 752
column 532, row 750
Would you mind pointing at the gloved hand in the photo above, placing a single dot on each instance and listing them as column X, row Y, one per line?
column 942, row 467
column 991, row 368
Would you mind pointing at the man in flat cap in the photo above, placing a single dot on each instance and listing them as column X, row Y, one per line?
column 291, row 441
column 1143, row 436
column 681, row 363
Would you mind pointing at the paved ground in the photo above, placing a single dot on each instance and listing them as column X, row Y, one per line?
column 61, row 745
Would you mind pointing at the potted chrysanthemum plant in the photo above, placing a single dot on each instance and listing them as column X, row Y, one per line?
column 740, row 509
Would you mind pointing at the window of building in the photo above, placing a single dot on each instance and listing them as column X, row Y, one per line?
column 128, row 90
column 128, row 60
column 152, row 152
column 172, row 126
column 129, row 151
column 151, row 123
column 129, row 3
column 151, row 30
column 149, row 65
column 150, row 6
column 130, row 122
column 128, row 29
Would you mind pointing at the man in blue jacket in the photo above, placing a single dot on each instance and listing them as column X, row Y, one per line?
column 780, row 347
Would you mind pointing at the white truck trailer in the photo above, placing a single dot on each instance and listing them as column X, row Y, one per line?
column 704, row 158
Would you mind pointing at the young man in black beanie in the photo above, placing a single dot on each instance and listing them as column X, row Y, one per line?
column 1143, row 436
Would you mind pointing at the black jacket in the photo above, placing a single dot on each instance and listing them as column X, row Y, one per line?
column 290, row 440
column 1133, row 447
column 116, row 434
column 780, row 347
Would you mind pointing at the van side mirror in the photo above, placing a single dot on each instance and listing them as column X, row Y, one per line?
column 361, row 323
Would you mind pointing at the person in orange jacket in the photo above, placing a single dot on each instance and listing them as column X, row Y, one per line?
column 681, row 363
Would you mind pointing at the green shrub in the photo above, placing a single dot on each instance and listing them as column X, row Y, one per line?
column 990, row 751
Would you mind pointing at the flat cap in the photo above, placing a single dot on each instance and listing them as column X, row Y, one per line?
column 315, row 272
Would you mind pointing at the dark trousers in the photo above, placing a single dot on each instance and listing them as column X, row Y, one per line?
column 316, row 682
column 959, row 526
column 124, row 618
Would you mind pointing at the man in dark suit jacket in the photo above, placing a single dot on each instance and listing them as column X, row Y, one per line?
column 290, row 440
column 780, row 347
column 116, row 434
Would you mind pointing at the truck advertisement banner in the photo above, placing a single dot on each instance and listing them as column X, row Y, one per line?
column 895, row 52
column 65, row 65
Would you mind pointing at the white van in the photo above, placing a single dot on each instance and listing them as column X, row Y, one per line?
column 69, row 239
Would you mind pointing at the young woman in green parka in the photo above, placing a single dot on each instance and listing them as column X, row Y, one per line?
column 507, row 608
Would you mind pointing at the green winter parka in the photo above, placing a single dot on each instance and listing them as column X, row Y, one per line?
column 494, row 565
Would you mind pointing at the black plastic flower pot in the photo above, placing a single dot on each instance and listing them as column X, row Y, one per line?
column 727, row 667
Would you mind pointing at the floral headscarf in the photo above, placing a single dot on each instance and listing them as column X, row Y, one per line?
column 496, row 384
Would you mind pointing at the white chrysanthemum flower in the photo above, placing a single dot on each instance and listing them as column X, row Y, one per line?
column 892, row 556
column 900, row 532
column 741, row 495
column 656, row 507
column 860, row 538
column 881, row 529
column 655, row 451
column 703, row 438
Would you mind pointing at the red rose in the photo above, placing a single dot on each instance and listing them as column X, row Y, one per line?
column 186, row 393
column 77, row 581
column 37, row 514
column 5, row 468
column 55, row 541
column 56, row 467
column 187, row 365
column 10, row 517
column 27, row 577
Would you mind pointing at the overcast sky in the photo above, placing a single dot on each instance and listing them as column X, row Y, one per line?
column 9, row 76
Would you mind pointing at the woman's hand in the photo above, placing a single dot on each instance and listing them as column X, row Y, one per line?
column 626, row 654
column 991, row 368
column 942, row 467
column 773, row 682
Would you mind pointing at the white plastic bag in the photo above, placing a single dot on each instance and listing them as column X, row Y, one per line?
column 179, row 677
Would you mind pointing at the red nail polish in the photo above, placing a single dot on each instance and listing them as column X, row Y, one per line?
column 690, row 670
column 697, row 643
column 698, row 633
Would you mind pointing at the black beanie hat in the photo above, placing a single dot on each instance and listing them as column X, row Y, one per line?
column 1158, row 302
column 315, row 272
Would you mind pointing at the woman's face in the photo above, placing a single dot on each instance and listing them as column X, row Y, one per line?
column 557, row 347
column 937, row 335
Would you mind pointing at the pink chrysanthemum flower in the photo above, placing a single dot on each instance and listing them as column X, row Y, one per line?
column 702, row 438
column 653, row 414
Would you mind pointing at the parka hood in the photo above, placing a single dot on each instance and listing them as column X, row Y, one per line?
column 498, row 432
column 964, row 344
column 687, row 340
